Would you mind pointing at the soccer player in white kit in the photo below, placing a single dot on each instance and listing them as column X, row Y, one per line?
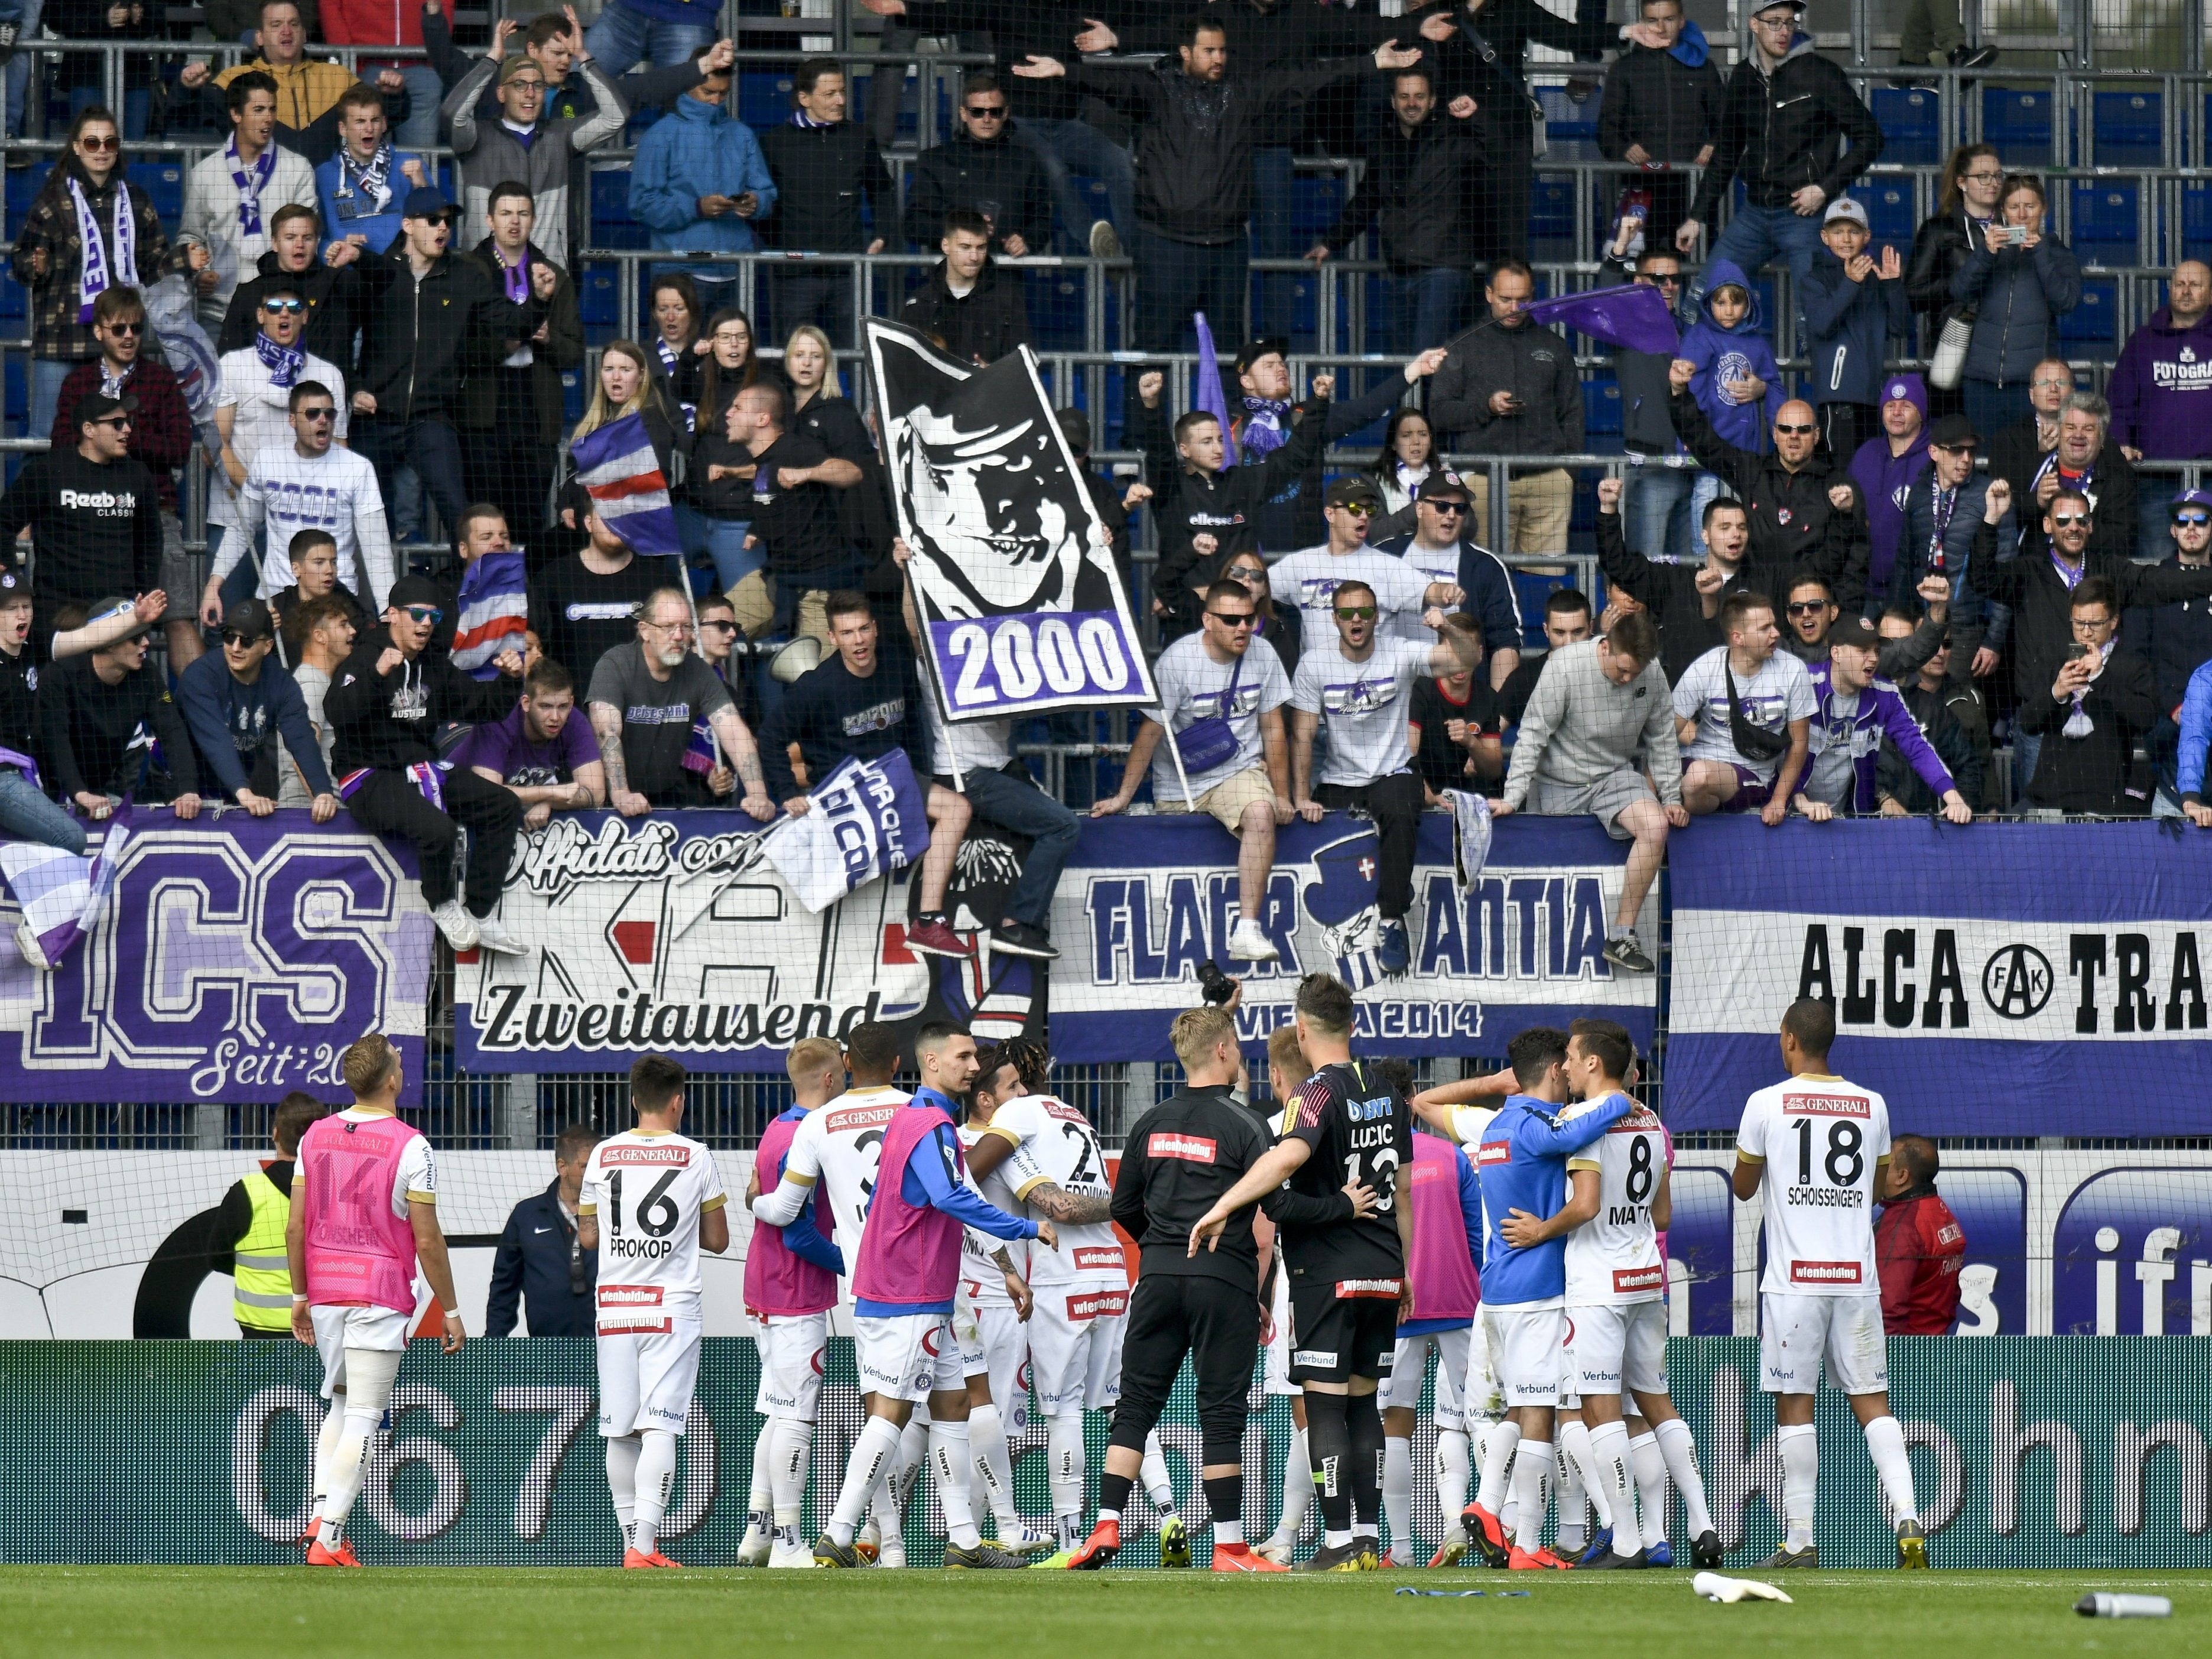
column 1823, row 1142
column 651, row 1199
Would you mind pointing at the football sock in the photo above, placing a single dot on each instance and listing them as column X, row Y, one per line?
column 1532, row 1468
column 1452, row 1447
column 1225, row 1496
column 1800, row 1478
column 1114, row 1492
column 1497, row 1468
column 899, row 1477
column 1398, row 1488
column 1579, row 1485
column 760, row 1498
column 1649, row 1468
column 793, row 1448
column 326, row 1448
column 622, row 1481
column 1365, row 1420
column 1681, row 1452
column 994, row 1466
column 656, row 1474
column 1153, row 1471
column 1885, row 1438
column 948, row 1462
column 1330, row 1434
column 873, row 1452
column 368, row 1380
column 1064, row 1448
column 1298, row 1489
column 1609, row 1450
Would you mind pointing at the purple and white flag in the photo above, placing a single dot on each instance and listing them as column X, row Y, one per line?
column 62, row 892
column 621, row 473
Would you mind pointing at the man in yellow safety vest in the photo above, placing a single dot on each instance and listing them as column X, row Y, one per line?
column 251, row 1224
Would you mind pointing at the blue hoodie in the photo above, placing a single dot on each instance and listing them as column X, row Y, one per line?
column 1689, row 49
column 1729, row 354
column 699, row 149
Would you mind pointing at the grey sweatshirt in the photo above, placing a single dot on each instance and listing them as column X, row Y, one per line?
column 1580, row 727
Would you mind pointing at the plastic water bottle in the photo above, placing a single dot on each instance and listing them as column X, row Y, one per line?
column 2102, row 1604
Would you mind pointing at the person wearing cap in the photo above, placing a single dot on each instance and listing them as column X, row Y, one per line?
column 2161, row 389
column 1886, row 467
column 2176, row 638
column 1796, row 133
column 1941, row 510
column 1853, row 303
column 96, row 714
column 1308, row 580
column 1510, row 388
column 1361, row 686
column 1951, row 716
column 1442, row 549
column 312, row 483
column 523, row 145
column 1856, row 710
column 433, row 316
column 386, row 707
column 247, row 718
column 94, row 512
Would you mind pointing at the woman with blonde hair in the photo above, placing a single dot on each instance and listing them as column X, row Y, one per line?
column 626, row 385
column 820, row 407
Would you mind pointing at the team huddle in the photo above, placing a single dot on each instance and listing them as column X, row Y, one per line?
column 1514, row 1226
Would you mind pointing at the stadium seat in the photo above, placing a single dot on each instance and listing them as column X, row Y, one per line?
column 764, row 97
column 1533, row 590
column 595, row 295
column 23, row 189
column 2104, row 222
column 1315, row 200
column 611, row 224
column 1551, row 214
column 1908, row 117
column 2196, row 221
column 163, row 182
column 2017, row 121
column 1569, row 124
column 1890, row 215
column 2129, row 127
column 14, row 300
column 2091, row 323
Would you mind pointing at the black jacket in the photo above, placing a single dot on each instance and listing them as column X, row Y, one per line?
column 1794, row 528
column 334, row 308
column 96, row 734
column 1195, row 138
column 1779, row 135
column 821, row 174
column 1536, row 363
column 1670, row 593
column 2093, row 773
column 421, row 339
column 2112, row 487
column 390, row 720
column 537, row 1262
column 1272, row 34
column 1497, row 83
column 1418, row 186
column 1654, row 99
column 562, row 349
column 833, row 716
column 1958, row 729
column 1003, row 180
column 1940, row 248
column 2175, row 639
column 991, row 321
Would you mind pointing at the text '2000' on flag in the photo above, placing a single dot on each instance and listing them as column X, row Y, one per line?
column 1012, row 573
column 621, row 473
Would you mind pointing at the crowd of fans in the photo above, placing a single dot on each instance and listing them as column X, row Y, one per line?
column 1822, row 603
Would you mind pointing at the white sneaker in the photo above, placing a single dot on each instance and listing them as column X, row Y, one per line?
column 493, row 936
column 1248, row 942
column 27, row 943
column 790, row 1555
column 891, row 1554
column 1276, row 1550
column 458, row 926
column 758, row 1541
column 1019, row 1538
column 1105, row 241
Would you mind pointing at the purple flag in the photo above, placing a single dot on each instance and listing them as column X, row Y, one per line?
column 1206, row 393
column 1634, row 317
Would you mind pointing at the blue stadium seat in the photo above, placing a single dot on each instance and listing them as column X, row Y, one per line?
column 1601, row 408
column 2129, row 129
column 611, row 224
column 1569, row 126
column 18, row 392
column 1551, row 210
column 164, row 185
column 2196, row 221
column 764, row 97
column 23, row 189
column 572, row 396
column 14, row 300
column 2017, row 121
column 1907, row 117
column 2104, row 222
column 595, row 295
column 1315, row 200
column 2090, row 324
column 1056, row 309
column 1532, row 591
column 1890, row 216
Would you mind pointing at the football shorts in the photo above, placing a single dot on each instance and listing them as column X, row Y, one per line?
column 1343, row 1328
column 1796, row 1333
column 791, row 1349
column 907, row 1355
column 1075, row 1344
column 646, row 1378
column 995, row 1344
column 376, row 1330
column 1614, row 1346
column 1411, row 1361
column 1527, row 1351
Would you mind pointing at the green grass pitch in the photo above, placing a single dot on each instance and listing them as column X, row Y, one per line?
column 476, row 1613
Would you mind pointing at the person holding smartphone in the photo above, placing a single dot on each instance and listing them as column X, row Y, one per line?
column 2021, row 279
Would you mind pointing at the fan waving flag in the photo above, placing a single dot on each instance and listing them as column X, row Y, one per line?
column 494, row 613
column 1013, row 573
column 620, row 472
column 1205, row 392
column 61, row 894
column 1633, row 317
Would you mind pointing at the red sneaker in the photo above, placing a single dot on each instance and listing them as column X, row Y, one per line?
column 1487, row 1532
column 1238, row 1557
column 935, row 938
column 318, row 1555
column 634, row 1558
column 1102, row 1546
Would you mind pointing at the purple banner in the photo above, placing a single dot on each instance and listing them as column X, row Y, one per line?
column 234, row 962
column 1037, row 659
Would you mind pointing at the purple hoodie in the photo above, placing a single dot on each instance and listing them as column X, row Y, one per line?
column 1885, row 480
column 2161, row 389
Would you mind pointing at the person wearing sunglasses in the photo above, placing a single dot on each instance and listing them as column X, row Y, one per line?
column 248, row 721
column 384, row 708
column 1443, row 547
column 1361, row 687
column 1657, row 494
column 161, row 436
column 94, row 514
column 327, row 276
column 1860, row 721
column 312, row 483
column 2175, row 639
column 984, row 169
column 1309, row 580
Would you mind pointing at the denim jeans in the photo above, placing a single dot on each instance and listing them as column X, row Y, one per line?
column 1017, row 805
column 1427, row 308
column 1176, row 278
column 723, row 541
column 1065, row 148
column 245, row 578
column 425, row 93
column 430, row 446
column 1756, row 236
column 1274, row 236
column 621, row 39
column 26, row 14
column 46, row 378
column 2154, row 513
column 823, row 297
column 137, row 107
column 1655, row 500
column 2026, row 750
column 27, row 815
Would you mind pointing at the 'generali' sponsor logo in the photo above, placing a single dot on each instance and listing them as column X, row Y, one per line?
column 1195, row 1149
column 1094, row 1304
column 859, row 1117
column 1823, row 1106
column 679, row 1156
column 1652, row 1278
column 1824, row 1273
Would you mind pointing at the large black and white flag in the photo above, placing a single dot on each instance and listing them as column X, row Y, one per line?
column 1012, row 573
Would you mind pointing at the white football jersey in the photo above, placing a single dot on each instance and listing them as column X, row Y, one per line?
column 1054, row 1142
column 840, row 1146
column 1467, row 1123
column 985, row 1284
column 1821, row 1139
column 648, row 1191
column 1613, row 1257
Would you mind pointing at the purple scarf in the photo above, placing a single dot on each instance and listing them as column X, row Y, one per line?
column 250, row 183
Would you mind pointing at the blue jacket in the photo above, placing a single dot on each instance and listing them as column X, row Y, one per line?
column 932, row 1181
column 1488, row 591
column 1880, row 714
column 1733, row 352
column 2196, row 734
column 232, row 723
column 1847, row 327
column 698, row 150
column 1523, row 1162
column 1975, row 619
column 531, row 1270
column 344, row 216
column 2019, row 294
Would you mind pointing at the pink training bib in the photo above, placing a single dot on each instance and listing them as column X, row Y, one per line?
column 358, row 1252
